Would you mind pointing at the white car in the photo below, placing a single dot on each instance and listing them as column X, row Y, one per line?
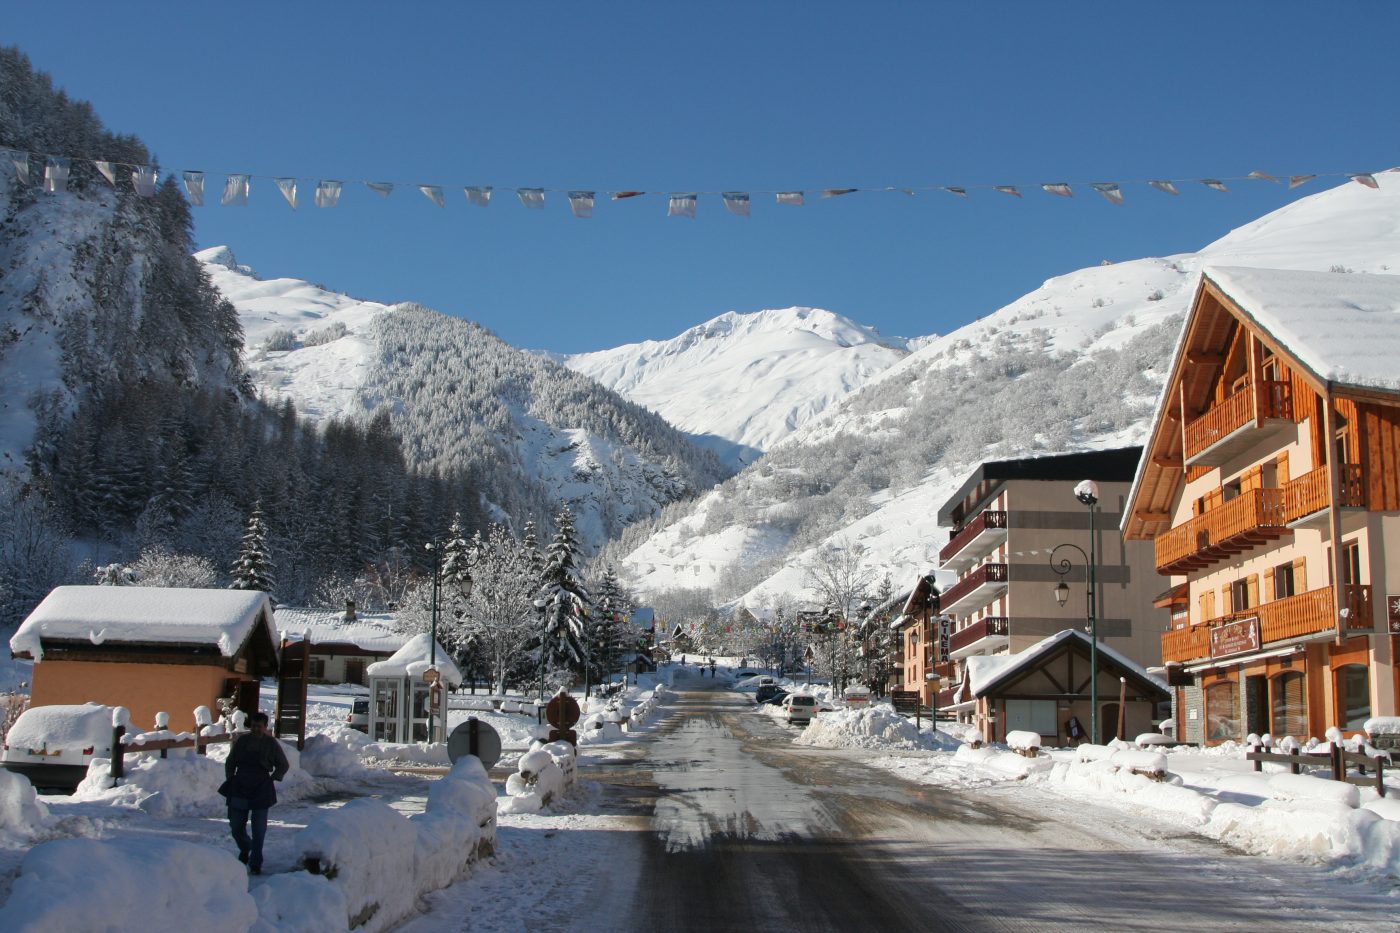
column 53, row 745
column 800, row 708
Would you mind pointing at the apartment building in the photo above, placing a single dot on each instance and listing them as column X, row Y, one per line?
column 1018, row 532
column 1270, row 490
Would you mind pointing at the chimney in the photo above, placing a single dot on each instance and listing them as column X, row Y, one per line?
column 349, row 610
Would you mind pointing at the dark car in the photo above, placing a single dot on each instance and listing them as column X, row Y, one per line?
column 766, row 692
column 776, row 699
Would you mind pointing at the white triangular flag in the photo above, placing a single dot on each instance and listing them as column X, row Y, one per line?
column 1361, row 179
column 532, row 198
column 194, row 187
column 581, row 203
column 288, row 187
column 1262, row 176
column 1060, row 188
column 790, row 197
column 235, row 191
column 1214, row 184
column 1007, row 189
column 381, row 188
column 327, row 192
column 143, row 179
column 682, row 205
column 1296, row 180
column 737, row 202
column 837, row 192
column 109, row 172
column 960, row 192
column 480, row 195
column 20, row 160
column 433, row 193
column 1111, row 192
column 1164, row 185
column 56, row 175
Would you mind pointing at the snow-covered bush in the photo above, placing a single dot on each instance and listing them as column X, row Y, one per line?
column 129, row 883
column 279, row 340
column 328, row 334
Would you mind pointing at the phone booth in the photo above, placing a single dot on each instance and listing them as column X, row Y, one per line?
column 408, row 693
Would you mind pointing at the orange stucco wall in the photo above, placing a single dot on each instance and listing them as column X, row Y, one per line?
column 144, row 689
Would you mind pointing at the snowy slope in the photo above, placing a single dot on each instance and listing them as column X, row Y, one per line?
column 1076, row 364
column 739, row 383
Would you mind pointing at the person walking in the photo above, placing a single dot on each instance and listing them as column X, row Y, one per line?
column 255, row 761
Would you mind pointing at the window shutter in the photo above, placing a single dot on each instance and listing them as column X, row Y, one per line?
column 1227, row 605
column 1283, row 468
column 1252, row 587
column 1269, row 586
column 1300, row 576
column 1213, row 499
column 1253, row 478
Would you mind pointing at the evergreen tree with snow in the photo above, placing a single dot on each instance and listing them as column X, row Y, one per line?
column 253, row 569
column 563, row 641
column 609, row 633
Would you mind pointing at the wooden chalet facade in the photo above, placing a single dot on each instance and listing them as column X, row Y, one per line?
column 916, row 654
column 1270, row 490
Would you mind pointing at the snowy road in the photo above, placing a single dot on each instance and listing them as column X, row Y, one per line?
column 724, row 824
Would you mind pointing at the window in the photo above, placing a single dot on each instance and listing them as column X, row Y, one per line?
column 1283, row 581
column 1239, row 595
column 1351, row 562
column 1223, row 712
column 1290, row 705
column 354, row 671
column 316, row 669
column 1354, row 692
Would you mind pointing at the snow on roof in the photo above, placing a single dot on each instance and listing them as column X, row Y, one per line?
column 372, row 632
column 145, row 615
column 1344, row 327
column 412, row 660
column 984, row 671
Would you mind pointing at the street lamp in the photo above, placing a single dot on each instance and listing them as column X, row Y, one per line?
column 464, row 586
column 1086, row 492
column 540, row 604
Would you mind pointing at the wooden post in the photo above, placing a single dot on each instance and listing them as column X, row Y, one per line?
column 118, row 753
column 1122, row 704
column 1339, row 763
column 1294, row 766
column 1258, row 765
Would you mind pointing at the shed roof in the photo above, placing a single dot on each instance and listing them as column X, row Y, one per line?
column 373, row 633
column 412, row 660
column 145, row 615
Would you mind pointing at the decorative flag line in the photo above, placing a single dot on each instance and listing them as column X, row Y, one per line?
column 237, row 185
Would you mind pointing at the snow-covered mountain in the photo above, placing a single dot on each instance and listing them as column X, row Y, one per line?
column 1076, row 364
column 531, row 433
column 739, row 383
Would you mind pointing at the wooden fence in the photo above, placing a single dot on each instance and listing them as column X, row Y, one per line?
column 121, row 748
column 1335, row 760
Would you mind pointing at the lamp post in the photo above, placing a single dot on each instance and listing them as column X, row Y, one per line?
column 1086, row 492
column 464, row 586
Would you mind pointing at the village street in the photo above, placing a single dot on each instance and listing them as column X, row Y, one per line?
column 719, row 822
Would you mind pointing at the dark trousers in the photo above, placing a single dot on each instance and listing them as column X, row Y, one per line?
column 252, row 849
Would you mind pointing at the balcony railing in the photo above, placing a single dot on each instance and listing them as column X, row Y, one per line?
column 1274, row 399
column 1309, row 613
column 981, row 584
column 946, row 670
column 990, row 523
column 1308, row 494
column 1248, row 519
column 991, row 628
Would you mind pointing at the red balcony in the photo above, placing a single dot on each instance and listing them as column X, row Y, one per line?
column 975, row 589
column 981, row 637
column 973, row 541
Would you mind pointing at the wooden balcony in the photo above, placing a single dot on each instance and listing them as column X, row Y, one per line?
column 1293, row 617
column 980, row 637
column 1307, row 499
column 975, row 589
column 1247, row 520
column 1228, row 428
column 973, row 541
column 946, row 670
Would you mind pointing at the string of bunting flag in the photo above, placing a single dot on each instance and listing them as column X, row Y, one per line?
column 238, row 187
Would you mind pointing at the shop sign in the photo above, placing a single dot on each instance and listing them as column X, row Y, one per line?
column 1235, row 637
column 945, row 638
column 1392, row 612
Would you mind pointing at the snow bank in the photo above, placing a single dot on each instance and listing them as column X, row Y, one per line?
column 1151, row 763
column 129, row 883
column 297, row 901
column 334, row 754
column 872, row 727
column 1023, row 741
column 457, row 827
column 1382, row 725
column 62, row 726
column 543, row 774
column 1305, row 787
column 21, row 810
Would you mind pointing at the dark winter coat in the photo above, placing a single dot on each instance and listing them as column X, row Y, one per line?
column 253, row 763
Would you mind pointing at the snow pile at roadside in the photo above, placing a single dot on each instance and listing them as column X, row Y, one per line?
column 300, row 902
column 544, row 774
column 333, row 754
column 129, row 883
column 380, row 862
column 648, row 703
column 874, row 727
column 21, row 810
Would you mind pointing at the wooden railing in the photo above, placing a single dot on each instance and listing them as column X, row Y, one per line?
column 1309, row 493
column 1274, row 399
column 987, row 573
column 1309, row 613
column 957, row 540
column 1189, row 546
column 990, row 627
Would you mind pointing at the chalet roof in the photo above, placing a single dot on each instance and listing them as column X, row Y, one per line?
column 146, row 615
column 371, row 632
column 987, row 673
column 1114, row 465
column 412, row 660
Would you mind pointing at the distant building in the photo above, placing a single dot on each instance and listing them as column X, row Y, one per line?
column 343, row 643
column 149, row 649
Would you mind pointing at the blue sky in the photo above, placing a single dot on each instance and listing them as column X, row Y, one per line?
column 717, row 96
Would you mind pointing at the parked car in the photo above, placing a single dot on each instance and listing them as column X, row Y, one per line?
column 358, row 717
column 767, row 692
column 776, row 699
column 800, row 708
column 53, row 745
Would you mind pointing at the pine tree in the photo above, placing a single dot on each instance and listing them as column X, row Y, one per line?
column 562, row 636
column 253, row 569
column 610, row 631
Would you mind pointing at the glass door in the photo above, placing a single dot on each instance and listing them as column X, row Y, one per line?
column 388, row 700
